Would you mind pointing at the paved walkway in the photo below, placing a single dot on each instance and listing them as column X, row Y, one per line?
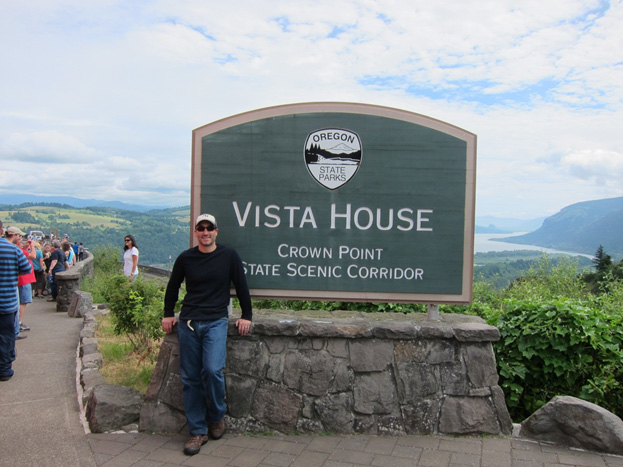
column 40, row 426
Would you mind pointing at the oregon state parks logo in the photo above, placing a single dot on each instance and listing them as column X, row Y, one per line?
column 333, row 156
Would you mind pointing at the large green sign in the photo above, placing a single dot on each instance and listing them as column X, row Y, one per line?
column 341, row 201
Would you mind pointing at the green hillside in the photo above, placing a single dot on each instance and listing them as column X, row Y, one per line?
column 160, row 234
column 164, row 233
column 581, row 228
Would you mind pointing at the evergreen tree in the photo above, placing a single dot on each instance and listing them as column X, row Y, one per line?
column 602, row 260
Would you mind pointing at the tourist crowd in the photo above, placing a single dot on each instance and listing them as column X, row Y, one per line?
column 28, row 269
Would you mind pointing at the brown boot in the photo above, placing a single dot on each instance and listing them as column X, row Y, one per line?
column 193, row 446
column 216, row 429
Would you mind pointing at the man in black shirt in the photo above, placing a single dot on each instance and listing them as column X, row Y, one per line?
column 209, row 270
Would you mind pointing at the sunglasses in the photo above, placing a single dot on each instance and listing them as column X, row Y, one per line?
column 201, row 228
column 128, row 240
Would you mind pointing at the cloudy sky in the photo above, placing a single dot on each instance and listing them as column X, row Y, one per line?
column 98, row 99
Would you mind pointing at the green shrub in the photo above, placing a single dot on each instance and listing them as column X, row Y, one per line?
column 565, row 347
column 106, row 260
column 549, row 281
column 105, row 265
column 365, row 307
column 136, row 310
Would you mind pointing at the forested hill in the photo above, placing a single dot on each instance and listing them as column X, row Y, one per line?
column 581, row 228
column 160, row 234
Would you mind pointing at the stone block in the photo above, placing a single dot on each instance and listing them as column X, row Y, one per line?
column 365, row 424
column 110, row 407
column 440, row 351
column 410, row 351
column 275, row 327
column 394, row 330
column 171, row 391
column 335, row 329
column 160, row 418
column 390, row 425
column 343, row 378
column 434, row 330
column 476, row 332
column 468, row 415
column 454, row 379
column 276, row 407
column 240, row 395
column 371, row 354
column 308, row 371
column 274, row 372
column 89, row 378
column 374, row 393
column 159, row 376
column 88, row 348
column 305, row 425
column 573, row 422
column 93, row 360
column 501, row 409
column 276, row 345
column 335, row 412
column 480, row 364
column 88, row 329
column 338, row 348
column 246, row 357
column 420, row 418
column 81, row 304
column 417, row 381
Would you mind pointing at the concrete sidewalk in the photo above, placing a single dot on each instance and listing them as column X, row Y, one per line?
column 40, row 425
column 39, row 417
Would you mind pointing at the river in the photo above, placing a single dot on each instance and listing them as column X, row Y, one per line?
column 483, row 243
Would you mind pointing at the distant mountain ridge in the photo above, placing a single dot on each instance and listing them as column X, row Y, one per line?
column 16, row 199
column 581, row 227
column 491, row 224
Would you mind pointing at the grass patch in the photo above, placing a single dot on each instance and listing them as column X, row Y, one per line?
column 121, row 365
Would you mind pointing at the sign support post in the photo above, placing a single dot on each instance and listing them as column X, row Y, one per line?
column 433, row 312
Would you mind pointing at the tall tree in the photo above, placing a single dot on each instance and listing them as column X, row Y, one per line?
column 602, row 260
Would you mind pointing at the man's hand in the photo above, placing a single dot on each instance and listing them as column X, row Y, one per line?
column 168, row 323
column 244, row 326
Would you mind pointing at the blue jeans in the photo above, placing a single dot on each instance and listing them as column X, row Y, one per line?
column 17, row 315
column 7, row 343
column 203, row 351
column 53, row 284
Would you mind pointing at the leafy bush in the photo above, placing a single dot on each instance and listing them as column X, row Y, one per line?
column 365, row 307
column 106, row 260
column 105, row 264
column 136, row 310
column 565, row 347
column 611, row 300
column 548, row 281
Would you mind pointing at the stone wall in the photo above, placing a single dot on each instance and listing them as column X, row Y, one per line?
column 69, row 281
column 348, row 373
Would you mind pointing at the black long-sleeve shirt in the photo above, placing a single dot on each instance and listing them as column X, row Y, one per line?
column 208, row 279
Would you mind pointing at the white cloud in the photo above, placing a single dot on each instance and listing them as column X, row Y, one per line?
column 113, row 89
column 49, row 146
column 602, row 167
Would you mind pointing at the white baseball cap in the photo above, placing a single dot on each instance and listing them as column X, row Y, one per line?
column 206, row 217
column 16, row 231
